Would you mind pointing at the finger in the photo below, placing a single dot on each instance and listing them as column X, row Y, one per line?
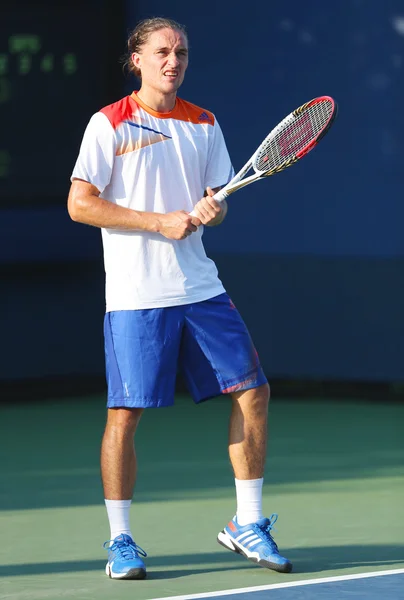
column 191, row 225
column 214, row 204
column 198, row 214
column 203, row 214
column 190, row 229
column 196, row 221
column 210, row 191
column 207, row 210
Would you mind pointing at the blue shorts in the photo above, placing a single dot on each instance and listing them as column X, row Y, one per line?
column 208, row 341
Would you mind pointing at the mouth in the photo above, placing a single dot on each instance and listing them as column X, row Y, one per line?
column 171, row 75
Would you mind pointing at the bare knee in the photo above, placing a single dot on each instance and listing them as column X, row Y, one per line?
column 124, row 420
column 255, row 400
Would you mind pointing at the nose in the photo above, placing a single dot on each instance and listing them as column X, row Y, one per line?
column 173, row 60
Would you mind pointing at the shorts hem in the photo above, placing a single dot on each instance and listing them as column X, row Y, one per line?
column 137, row 403
column 245, row 383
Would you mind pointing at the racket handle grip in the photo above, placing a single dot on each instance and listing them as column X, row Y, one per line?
column 219, row 197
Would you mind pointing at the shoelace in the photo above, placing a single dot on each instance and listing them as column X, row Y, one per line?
column 265, row 532
column 125, row 548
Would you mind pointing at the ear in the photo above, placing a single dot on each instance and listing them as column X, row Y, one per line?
column 136, row 59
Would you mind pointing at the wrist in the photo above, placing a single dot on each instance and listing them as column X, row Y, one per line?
column 149, row 221
column 156, row 223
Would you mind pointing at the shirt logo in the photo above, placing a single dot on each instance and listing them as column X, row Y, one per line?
column 149, row 129
column 205, row 118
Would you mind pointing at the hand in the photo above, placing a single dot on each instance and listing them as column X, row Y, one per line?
column 209, row 211
column 177, row 225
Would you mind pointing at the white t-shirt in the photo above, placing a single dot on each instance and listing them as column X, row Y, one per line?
column 155, row 162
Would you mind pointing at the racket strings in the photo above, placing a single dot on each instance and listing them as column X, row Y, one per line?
column 295, row 133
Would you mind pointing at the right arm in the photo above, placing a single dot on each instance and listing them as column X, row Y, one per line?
column 85, row 206
column 92, row 174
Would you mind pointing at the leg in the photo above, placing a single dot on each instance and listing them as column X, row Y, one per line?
column 247, row 450
column 218, row 356
column 118, row 458
column 248, row 432
column 141, row 349
column 248, row 533
column 118, row 471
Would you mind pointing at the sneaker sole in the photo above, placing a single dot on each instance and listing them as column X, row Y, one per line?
column 227, row 542
column 137, row 573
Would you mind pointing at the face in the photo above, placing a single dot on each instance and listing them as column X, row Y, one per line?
column 163, row 60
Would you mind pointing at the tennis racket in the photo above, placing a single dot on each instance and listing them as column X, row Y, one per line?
column 292, row 139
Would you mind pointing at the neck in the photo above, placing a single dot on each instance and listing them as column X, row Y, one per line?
column 156, row 100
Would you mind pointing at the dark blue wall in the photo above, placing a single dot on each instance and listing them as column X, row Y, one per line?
column 313, row 257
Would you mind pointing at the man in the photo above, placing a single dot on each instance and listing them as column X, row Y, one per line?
column 144, row 165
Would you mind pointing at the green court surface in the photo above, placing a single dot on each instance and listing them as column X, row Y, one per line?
column 335, row 475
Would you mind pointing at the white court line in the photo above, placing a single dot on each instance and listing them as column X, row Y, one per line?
column 277, row 586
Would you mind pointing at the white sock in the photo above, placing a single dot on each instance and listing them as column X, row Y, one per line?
column 249, row 500
column 118, row 515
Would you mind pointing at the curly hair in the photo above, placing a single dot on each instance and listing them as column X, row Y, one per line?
column 141, row 34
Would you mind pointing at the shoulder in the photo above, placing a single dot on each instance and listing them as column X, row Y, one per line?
column 119, row 111
column 188, row 111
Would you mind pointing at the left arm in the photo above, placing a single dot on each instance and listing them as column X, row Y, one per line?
column 210, row 212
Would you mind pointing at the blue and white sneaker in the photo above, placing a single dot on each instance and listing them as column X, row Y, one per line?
column 256, row 543
column 124, row 560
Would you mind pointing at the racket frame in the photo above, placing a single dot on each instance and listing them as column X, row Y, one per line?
column 236, row 184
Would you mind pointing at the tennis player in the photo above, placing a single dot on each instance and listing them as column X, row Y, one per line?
column 144, row 164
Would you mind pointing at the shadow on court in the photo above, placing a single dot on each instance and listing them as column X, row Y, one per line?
column 310, row 560
column 49, row 453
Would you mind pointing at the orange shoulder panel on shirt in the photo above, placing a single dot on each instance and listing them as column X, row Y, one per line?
column 120, row 111
column 186, row 111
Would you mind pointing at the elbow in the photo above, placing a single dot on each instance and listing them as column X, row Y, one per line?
column 75, row 210
column 73, row 213
column 80, row 202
